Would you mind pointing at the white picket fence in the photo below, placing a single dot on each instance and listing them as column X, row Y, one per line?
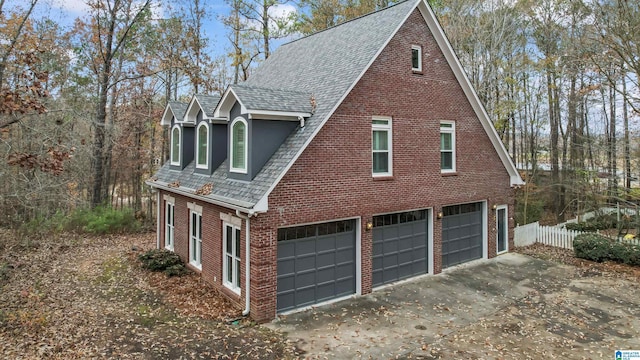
column 550, row 235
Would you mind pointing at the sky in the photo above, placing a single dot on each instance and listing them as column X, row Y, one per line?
column 66, row 11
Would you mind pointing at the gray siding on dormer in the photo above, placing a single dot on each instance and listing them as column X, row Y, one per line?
column 219, row 141
column 266, row 138
column 217, row 147
column 188, row 149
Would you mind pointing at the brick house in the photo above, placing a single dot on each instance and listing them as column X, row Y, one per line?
column 351, row 159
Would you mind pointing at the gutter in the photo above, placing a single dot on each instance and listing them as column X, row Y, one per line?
column 234, row 205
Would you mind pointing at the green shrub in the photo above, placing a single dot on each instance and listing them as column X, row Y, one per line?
column 591, row 247
column 600, row 222
column 625, row 253
column 102, row 220
column 598, row 248
column 163, row 260
column 581, row 226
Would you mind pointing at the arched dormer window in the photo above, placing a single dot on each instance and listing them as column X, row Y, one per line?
column 175, row 145
column 239, row 141
column 202, row 146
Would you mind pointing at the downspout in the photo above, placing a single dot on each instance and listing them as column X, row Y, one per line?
column 247, row 263
column 158, row 221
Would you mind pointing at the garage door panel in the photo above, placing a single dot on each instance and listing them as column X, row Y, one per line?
column 400, row 241
column 315, row 263
column 462, row 235
column 304, row 263
column 286, row 282
column 286, row 250
column 325, row 243
column 390, row 246
column 390, row 261
column 305, row 247
column 345, row 255
column 325, row 291
column 305, row 296
column 326, row 259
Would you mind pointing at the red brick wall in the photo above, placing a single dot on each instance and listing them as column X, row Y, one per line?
column 211, row 241
column 332, row 178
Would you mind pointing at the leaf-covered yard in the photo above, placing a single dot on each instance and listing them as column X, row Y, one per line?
column 77, row 297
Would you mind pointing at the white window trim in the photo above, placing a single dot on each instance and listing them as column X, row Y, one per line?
column 389, row 129
column 419, row 48
column 506, row 228
column 206, row 163
column 195, row 253
column 179, row 145
column 451, row 131
column 237, row 261
column 169, row 236
column 246, row 147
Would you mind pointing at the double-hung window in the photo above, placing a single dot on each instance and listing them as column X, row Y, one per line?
column 169, row 215
column 195, row 237
column 175, row 145
column 231, row 251
column 447, row 146
column 381, row 146
column 239, row 150
column 202, row 148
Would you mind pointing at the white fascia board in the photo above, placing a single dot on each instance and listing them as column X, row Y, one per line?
column 218, row 200
column 277, row 115
column 472, row 97
column 328, row 116
column 214, row 120
column 192, row 103
column 167, row 116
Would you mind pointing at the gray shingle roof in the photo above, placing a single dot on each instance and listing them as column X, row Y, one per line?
column 259, row 98
column 208, row 103
column 178, row 109
column 326, row 64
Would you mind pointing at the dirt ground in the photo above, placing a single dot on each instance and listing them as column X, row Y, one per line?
column 74, row 297
column 78, row 297
column 510, row 307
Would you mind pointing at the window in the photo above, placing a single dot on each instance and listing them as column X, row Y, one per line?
column 448, row 146
column 195, row 238
column 381, row 146
column 169, row 215
column 231, row 250
column 416, row 58
column 239, row 141
column 175, row 145
column 202, row 148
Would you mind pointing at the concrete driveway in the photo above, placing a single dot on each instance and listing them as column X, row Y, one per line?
column 509, row 307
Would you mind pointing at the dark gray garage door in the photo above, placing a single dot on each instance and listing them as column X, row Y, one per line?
column 461, row 234
column 316, row 263
column 399, row 246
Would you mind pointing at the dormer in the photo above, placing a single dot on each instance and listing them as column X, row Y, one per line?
column 260, row 120
column 209, row 134
column 173, row 113
column 173, row 117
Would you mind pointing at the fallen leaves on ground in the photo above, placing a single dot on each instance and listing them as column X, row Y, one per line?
column 566, row 256
column 75, row 297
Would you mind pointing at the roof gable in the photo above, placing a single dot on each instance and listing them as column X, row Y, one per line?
column 265, row 102
column 173, row 109
column 206, row 103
